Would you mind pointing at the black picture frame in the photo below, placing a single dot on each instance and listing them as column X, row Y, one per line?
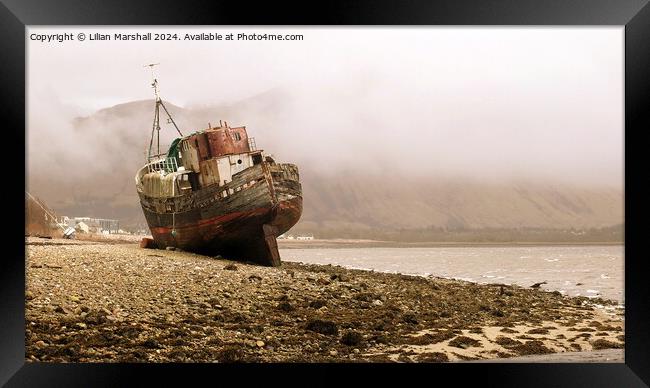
column 15, row 15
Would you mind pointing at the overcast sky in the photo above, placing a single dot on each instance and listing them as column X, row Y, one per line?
column 502, row 102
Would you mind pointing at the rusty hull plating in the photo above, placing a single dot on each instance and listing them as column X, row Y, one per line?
column 215, row 193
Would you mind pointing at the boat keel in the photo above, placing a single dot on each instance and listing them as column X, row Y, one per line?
column 268, row 251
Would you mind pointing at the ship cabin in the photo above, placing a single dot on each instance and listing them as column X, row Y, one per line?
column 207, row 157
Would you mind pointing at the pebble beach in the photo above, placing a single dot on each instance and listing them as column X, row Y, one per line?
column 112, row 301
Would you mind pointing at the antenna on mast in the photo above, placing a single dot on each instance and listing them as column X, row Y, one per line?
column 156, row 118
column 154, row 83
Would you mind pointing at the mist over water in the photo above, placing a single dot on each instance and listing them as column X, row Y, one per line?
column 493, row 104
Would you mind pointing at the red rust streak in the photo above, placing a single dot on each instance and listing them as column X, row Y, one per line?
column 213, row 220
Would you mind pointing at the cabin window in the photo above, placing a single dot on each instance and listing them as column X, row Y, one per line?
column 237, row 136
column 239, row 161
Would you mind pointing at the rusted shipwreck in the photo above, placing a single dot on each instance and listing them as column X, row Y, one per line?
column 213, row 192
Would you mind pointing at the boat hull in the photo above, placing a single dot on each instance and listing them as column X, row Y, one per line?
column 239, row 221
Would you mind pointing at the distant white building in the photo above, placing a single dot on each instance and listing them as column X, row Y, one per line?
column 305, row 237
column 95, row 225
column 82, row 227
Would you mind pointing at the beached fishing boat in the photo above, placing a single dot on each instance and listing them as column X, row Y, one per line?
column 213, row 192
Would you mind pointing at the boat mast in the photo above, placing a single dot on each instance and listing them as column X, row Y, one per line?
column 156, row 118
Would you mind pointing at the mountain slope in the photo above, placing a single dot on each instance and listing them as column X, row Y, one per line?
column 93, row 176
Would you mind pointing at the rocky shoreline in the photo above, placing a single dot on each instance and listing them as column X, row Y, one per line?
column 106, row 302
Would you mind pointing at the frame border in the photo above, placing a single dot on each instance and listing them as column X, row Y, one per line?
column 16, row 15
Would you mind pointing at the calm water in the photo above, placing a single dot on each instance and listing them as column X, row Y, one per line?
column 592, row 271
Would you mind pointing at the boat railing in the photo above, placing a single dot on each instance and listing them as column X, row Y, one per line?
column 166, row 165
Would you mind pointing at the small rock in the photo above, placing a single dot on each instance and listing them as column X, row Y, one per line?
column 61, row 310
column 378, row 302
column 151, row 343
column 230, row 267
column 333, row 353
column 351, row 338
column 339, row 277
column 410, row 318
column 29, row 295
column 75, row 299
column 40, row 344
column 322, row 327
column 323, row 282
column 259, row 344
column 404, row 358
column 356, row 350
column 81, row 325
column 317, row 303
column 285, row 306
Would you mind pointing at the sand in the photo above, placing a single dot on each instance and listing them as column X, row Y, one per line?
column 92, row 301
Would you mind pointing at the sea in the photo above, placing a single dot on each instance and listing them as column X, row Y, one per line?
column 591, row 271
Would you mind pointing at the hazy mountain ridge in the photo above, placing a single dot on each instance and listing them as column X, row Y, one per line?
column 95, row 178
column 454, row 205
